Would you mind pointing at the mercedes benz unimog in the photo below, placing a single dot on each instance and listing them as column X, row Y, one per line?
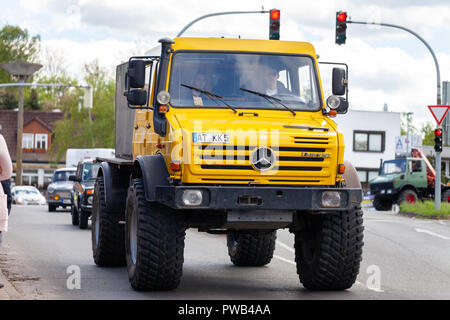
column 231, row 137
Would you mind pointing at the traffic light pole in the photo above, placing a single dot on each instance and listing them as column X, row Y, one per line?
column 216, row 14
column 437, row 184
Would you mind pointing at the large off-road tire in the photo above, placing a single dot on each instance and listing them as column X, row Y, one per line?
column 108, row 235
column 51, row 208
column 251, row 248
column 408, row 196
column 446, row 196
column 328, row 250
column 154, row 242
column 83, row 219
column 382, row 204
column 74, row 213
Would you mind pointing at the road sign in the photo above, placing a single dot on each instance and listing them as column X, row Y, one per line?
column 439, row 113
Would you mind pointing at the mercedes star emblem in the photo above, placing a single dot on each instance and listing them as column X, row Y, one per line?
column 263, row 159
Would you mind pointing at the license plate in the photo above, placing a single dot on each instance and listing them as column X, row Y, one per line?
column 66, row 201
column 210, row 137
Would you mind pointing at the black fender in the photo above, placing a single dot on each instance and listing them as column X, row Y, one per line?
column 116, row 179
column 410, row 187
column 153, row 171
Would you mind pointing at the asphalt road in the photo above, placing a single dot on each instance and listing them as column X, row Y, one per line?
column 403, row 258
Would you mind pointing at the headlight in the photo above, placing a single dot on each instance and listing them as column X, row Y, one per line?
column 163, row 97
column 89, row 200
column 192, row 198
column 333, row 102
column 331, row 199
column 19, row 200
column 50, row 189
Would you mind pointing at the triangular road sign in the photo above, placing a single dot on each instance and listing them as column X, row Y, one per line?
column 439, row 113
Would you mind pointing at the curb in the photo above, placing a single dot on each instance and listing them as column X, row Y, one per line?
column 8, row 292
column 423, row 216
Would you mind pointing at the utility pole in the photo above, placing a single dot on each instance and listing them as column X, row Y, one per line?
column 20, row 70
column 437, row 184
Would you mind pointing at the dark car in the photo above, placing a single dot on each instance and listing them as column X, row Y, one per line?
column 83, row 192
column 60, row 189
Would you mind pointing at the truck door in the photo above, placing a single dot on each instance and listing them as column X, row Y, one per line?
column 417, row 173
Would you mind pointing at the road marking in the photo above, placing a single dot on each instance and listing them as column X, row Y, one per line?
column 285, row 246
column 431, row 233
column 285, row 260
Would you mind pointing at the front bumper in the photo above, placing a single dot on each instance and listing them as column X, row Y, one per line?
column 60, row 202
column 258, row 198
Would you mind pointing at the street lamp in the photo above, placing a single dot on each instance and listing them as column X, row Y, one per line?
column 20, row 70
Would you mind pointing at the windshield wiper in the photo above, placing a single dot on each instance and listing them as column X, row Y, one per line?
column 269, row 98
column 211, row 95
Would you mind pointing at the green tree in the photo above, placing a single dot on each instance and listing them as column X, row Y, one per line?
column 404, row 125
column 83, row 128
column 428, row 134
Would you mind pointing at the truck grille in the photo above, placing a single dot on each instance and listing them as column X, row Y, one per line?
column 298, row 160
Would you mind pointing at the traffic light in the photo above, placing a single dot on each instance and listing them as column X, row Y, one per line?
column 341, row 27
column 274, row 24
column 438, row 140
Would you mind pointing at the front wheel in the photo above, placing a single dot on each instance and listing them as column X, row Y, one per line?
column 154, row 242
column 74, row 213
column 328, row 250
column 51, row 208
column 251, row 248
column 382, row 204
column 83, row 219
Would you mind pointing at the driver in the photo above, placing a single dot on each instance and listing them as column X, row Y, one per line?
column 272, row 85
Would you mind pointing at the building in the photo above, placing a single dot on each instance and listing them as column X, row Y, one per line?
column 369, row 138
column 38, row 128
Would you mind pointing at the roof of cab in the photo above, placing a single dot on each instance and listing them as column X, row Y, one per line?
column 224, row 44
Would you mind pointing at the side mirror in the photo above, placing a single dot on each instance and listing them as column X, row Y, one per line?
column 339, row 82
column 136, row 74
column 137, row 97
column 74, row 178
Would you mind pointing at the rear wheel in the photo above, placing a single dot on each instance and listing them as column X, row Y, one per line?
column 408, row 196
column 108, row 235
column 154, row 242
column 251, row 248
column 328, row 250
column 446, row 196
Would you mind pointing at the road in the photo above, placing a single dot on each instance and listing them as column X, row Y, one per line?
column 403, row 258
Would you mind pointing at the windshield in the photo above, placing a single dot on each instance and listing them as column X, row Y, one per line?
column 394, row 166
column 226, row 76
column 26, row 191
column 90, row 171
column 62, row 176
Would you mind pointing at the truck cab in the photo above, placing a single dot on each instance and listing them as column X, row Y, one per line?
column 234, row 137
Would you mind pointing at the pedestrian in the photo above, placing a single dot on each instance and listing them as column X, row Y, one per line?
column 5, row 191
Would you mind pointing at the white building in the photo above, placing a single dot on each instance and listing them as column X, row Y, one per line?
column 369, row 137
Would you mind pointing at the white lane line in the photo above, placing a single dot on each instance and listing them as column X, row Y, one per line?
column 283, row 259
column 285, row 246
column 431, row 233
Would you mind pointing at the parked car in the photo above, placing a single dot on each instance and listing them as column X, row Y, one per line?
column 60, row 189
column 83, row 191
column 27, row 195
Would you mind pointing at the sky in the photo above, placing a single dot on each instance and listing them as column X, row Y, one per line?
column 386, row 65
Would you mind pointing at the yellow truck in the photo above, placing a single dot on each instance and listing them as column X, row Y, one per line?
column 228, row 136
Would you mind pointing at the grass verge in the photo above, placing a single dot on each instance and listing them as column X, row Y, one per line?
column 426, row 209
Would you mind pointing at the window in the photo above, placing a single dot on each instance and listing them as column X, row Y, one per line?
column 27, row 141
column 368, row 141
column 41, row 141
column 415, row 166
column 365, row 175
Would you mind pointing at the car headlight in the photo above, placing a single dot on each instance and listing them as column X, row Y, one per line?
column 50, row 189
column 333, row 102
column 331, row 199
column 19, row 200
column 89, row 200
column 192, row 198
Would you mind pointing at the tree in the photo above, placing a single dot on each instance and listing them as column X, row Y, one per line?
column 83, row 128
column 404, row 125
column 428, row 134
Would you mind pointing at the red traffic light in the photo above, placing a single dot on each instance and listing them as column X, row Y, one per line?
column 342, row 16
column 438, row 132
column 275, row 14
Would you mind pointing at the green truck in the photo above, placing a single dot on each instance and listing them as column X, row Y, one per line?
column 405, row 179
